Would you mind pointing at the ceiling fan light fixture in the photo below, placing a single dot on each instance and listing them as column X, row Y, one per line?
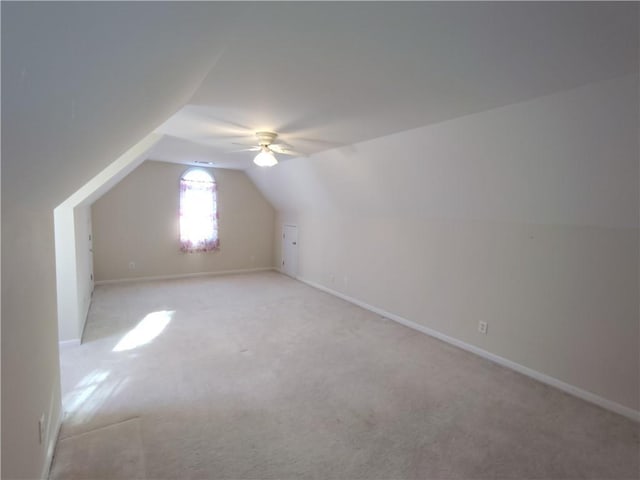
column 265, row 158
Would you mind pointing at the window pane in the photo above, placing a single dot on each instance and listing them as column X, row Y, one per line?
column 198, row 213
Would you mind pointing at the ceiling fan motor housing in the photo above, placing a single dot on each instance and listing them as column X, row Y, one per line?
column 266, row 138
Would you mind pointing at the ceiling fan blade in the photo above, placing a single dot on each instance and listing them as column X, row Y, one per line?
column 279, row 147
column 293, row 153
column 286, row 150
column 253, row 149
column 322, row 142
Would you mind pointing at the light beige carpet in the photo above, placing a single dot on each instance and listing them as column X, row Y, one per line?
column 114, row 451
column 260, row 376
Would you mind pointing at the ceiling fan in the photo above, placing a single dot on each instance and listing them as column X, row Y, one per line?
column 267, row 149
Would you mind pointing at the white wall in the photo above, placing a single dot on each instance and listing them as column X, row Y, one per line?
column 524, row 216
column 137, row 221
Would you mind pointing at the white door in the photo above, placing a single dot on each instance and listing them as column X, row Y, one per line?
column 290, row 250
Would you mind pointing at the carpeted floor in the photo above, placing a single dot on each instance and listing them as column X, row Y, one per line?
column 259, row 376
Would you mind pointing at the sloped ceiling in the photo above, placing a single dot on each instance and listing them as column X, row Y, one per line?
column 84, row 81
column 325, row 75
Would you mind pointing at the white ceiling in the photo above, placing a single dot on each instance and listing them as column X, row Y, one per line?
column 325, row 75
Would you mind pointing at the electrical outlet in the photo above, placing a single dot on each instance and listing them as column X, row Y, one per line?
column 483, row 327
column 132, row 265
column 41, row 428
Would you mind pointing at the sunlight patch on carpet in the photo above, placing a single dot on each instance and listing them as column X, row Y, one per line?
column 149, row 328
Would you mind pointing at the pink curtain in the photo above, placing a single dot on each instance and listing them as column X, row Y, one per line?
column 198, row 216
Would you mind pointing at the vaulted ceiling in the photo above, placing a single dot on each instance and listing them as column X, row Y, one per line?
column 84, row 81
column 326, row 75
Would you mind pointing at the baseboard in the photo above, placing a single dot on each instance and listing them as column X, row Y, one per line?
column 69, row 343
column 541, row 377
column 51, row 448
column 182, row 275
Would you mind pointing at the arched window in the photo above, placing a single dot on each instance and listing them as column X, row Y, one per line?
column 198, row 212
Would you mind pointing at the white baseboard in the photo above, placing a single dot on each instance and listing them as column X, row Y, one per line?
column 51, row 447
column 541, row 377
column 182, row 275
column 69, row 343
